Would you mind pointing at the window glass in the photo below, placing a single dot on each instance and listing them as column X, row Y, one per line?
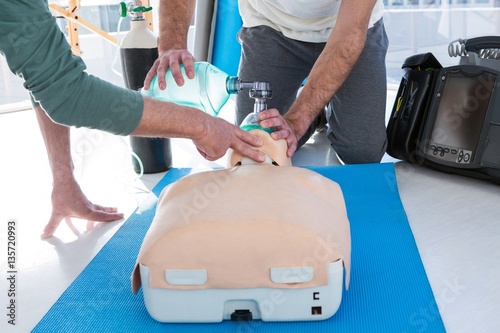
column 413, row 26
column 420, row 26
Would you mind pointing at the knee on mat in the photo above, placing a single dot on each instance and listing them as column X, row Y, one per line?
column 360, row 154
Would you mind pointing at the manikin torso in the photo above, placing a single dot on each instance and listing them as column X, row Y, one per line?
column 237, row 223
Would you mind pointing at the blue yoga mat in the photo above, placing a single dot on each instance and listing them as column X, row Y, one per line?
column 389, row 289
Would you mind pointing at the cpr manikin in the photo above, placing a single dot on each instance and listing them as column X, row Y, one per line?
column 265, row 241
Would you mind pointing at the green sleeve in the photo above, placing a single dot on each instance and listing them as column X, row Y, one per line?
column 37, row 51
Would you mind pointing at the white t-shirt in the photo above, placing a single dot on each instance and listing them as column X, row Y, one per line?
column 304, row 20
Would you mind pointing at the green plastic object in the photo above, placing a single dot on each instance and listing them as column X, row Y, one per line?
column 124, row 9
column 141, row 9
column 253, row 126
column 208, row 91
column 251, row 122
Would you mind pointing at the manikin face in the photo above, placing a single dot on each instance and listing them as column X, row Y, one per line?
column 275, row 150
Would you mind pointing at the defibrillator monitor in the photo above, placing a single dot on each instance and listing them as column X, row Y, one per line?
column 459, row 113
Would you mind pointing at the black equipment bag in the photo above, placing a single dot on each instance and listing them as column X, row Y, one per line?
column 449, row 118
column 404, row 127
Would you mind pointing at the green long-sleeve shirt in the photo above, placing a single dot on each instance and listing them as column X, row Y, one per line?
column 37, row 51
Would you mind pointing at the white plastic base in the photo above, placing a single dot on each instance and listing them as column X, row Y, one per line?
column 267, row 304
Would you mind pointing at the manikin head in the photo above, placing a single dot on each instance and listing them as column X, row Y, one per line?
column 275, row 151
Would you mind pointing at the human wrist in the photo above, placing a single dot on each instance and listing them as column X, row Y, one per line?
column 199, row 127
column 171, row 43
column 297, row 121
column 162, row 49
column 63, row 177
column 304, row 111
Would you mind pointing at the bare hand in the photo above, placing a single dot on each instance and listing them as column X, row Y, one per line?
column 172, row 59
column 69, row 201
column 222, row 135
column 282, row 129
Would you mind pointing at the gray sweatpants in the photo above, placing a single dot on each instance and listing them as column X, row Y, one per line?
column 356, row 114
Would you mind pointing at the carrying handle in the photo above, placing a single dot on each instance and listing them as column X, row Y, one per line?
column 479, row 43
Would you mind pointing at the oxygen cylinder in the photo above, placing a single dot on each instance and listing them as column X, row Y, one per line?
column 138, row 51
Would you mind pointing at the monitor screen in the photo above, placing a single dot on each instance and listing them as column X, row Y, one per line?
column 460, row 116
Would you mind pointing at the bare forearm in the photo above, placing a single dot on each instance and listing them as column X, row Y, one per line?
column 57, row 144
column 334, row 65
column 327, row 76
column 175, row 18
column 162, row 119
column 67, row 198
column 212, row 136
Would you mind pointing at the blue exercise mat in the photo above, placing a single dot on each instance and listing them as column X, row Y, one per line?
column 389, row 290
